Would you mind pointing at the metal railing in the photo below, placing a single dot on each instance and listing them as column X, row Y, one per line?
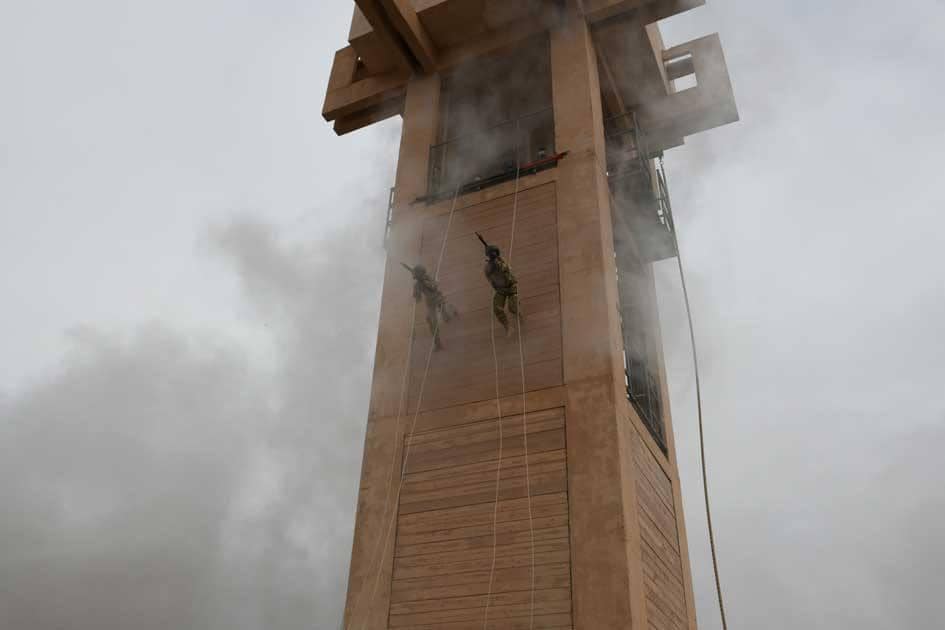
column 664, row 207
column 627, row 153
column 638, row 180
column 644, row 393
column 491, row 155
column 639, row 175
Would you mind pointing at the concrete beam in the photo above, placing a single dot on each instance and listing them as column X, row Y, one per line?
column 610, row 90
column 662, row 9
column 602, row 577
column 505, row 38
column 708, row 105
column 365, row 118
column 679, row 68
column 372, row 51
column 599, row 10
column 397, row 25
column 343, row 69
column 403, row 17
column 348, row 95
column 386, row 35
column 635, row 62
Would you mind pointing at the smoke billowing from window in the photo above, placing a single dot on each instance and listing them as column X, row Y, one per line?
column 495, row 114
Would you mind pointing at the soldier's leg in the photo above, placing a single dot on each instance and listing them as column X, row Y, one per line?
column 498, row 309
column 515, row 311
column 434, row 328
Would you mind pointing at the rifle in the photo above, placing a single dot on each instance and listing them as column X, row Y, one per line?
column 482, row 240
column 408, row 268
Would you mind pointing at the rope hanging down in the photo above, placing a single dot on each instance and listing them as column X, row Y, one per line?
column 400, row 410
column 409, row 436
column 695, row 364
column 702, row 458
column 413, row 426
column 521, row 357
column 498, row 472
column 528, row 490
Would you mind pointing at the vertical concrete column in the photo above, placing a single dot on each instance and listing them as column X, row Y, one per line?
column 421, row 122
column 374, row 536
column 601, row 575
column 421, row 111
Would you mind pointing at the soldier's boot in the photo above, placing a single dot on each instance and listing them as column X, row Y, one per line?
column 435, row 332
column 503, row 319
column 448, row 311
column 517, row 313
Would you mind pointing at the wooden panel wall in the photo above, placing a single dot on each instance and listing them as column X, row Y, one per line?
column 662, row 564
column 464, row 371
column 444, row 549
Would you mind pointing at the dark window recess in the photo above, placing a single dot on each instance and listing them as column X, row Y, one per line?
column 639, row 349
column 638, row 183
column 496, row 116
column 643, row 233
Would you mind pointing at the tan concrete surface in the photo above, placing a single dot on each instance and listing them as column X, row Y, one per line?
column 370, row 563
column 600, row 571
column 604, row 482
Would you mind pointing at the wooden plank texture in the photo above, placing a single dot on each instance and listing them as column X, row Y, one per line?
column 666, row 607
column 447, row 543
column 465, row 371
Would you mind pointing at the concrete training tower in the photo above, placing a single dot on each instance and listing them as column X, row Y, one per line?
column 540, row 119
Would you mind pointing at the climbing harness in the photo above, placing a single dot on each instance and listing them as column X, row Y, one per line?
column 408, row 436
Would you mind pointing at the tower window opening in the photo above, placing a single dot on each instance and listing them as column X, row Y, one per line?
column 638, row 183
column 638, row 322
column 642, row 234
column 681, row 71
column 685, row 83
column 496, row 117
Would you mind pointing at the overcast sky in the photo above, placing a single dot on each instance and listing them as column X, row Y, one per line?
column 190, row 269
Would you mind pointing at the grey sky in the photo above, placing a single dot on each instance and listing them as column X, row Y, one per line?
column 186, row 363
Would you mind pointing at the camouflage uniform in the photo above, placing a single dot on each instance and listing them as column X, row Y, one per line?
column 503, row 281
column 426, row 288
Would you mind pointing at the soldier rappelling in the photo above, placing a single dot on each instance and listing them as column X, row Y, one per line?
column 426, row 287
column 503, row 282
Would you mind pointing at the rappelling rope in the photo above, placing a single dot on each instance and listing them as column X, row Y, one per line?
column 413, row 426
column 498, row 471
column 521, row 357
column 498, row 404
column 400, row 410
column 695, row 364
column 705, row 481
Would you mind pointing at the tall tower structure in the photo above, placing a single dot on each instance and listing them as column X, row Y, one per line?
column 527, row 481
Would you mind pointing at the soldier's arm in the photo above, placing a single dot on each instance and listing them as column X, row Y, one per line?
column 507, row 271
